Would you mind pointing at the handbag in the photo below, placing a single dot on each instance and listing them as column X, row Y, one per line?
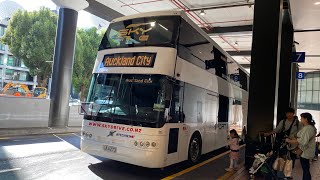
column 278, row 164
column 287, row 170
column 297, row 151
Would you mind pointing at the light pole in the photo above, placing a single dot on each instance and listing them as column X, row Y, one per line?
column 50, row 80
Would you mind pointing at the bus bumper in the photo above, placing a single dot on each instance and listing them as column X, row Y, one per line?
column 141, row 157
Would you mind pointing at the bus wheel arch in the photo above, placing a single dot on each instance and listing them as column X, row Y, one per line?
column 195, row 147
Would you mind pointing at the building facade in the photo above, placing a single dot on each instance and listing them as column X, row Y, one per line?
column 309, row 96
column 13, row 69
column 309, row 91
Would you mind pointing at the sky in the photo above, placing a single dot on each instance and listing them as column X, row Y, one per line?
column 85, row 19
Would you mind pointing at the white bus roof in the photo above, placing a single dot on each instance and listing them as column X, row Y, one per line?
column 185, row 17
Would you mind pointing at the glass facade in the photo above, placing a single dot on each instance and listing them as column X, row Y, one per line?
column 17, row 75
column 2, row 30
column 14, row 62
column 10, row 61
column 2, row 47
column 2, row 59
column 309, row 91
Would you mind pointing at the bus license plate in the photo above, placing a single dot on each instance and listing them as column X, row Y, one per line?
column 110, row 148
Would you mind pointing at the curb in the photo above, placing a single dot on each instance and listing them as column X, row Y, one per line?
column 37, row 131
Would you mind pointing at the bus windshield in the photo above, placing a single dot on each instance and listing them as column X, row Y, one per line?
column 129, row 99
column 149, row 31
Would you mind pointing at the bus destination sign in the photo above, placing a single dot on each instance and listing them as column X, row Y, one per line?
column 135, row 59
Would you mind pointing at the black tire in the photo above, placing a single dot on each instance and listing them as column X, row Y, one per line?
column 195, row 145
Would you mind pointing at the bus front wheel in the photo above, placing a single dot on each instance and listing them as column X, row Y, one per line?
column 195, row 148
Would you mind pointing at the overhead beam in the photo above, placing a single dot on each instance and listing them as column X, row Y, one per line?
column 241, row 53
column 307, row 30
column 245, row 28
column 248, row 53
column 228, row 29
column 98, row 9
column 245, row 65
column 222, row 6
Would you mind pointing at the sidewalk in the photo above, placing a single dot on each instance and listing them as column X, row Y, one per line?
column 36, row 131
column 297, row 173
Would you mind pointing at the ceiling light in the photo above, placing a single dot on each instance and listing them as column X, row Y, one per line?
column 202, row 13
column 317, row 3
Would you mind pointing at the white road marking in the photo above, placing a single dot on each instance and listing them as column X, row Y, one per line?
column 59, row 138
column 9, row 170
column 68, row 160
column 76, row 135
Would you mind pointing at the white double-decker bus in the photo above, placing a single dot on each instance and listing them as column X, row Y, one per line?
column 162, row 92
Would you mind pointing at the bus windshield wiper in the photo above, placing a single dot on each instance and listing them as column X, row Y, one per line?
column 106, row 98
column 134, row 120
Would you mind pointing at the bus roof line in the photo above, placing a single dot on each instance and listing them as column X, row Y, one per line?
column 186, row 18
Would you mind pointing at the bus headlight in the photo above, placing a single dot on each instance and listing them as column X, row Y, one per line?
column 153, row 144
column 147, row 144
column 86, row 134
column 141, row 143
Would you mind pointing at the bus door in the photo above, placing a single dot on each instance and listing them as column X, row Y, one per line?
column 211, row 114
column 221, row 128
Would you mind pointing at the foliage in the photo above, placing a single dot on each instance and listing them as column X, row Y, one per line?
column 31, row 37
column 85, row 55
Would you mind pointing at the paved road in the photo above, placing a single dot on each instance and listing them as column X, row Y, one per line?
column 59, row 157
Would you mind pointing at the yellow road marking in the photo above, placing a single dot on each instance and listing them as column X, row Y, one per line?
column 63, row 134
column 197, row 166
column 4, row 138
column 226, row 176
column 31, row 135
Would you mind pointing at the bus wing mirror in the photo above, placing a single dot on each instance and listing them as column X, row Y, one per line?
column 210, row 64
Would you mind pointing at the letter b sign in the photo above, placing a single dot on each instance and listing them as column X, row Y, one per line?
column 300, row 75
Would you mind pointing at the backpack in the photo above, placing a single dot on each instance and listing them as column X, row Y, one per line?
column 286, row 133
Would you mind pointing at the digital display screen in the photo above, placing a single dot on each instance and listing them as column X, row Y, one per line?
column 135, row 59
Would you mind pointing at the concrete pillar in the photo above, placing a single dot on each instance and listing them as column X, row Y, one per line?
column 264, row 72
column 294, row 87
column 63, row 61
column 285, row 74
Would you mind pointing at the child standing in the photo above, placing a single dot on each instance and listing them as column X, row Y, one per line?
column 235, row 150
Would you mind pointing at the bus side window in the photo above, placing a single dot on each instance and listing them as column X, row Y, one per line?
column 223, row 114
column 243, row 80
column 176, row 104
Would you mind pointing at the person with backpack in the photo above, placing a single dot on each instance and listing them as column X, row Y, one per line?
column 288, row 127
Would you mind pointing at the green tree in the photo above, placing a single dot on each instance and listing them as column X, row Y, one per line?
column 31, row 37
column 87, row 44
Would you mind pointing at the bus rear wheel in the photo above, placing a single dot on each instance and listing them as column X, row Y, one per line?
column 194, row 149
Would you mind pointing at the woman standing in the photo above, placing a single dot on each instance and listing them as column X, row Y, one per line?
column 306, row 141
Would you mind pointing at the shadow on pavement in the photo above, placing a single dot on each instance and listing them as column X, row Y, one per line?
column 71, row 139
column 6, row 168
column 109, row 169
